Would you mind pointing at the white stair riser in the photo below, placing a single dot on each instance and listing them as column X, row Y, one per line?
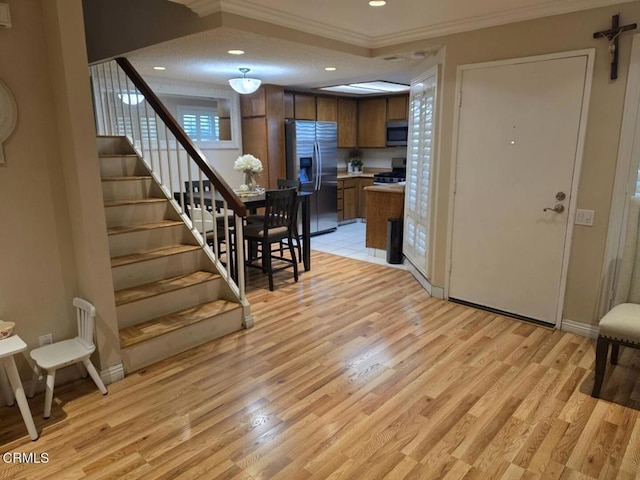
column 133, row 242
column 124, row 166
column 117, row 159
column 136, row 213
column 140, row 273
column 136, row 312
column 130, row 189
column 113, row 145
column 145, row 353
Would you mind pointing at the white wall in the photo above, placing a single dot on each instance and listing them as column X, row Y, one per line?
column 372, row 157
column 52, row 241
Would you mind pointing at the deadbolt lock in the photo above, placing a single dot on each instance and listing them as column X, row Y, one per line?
column 560, row 196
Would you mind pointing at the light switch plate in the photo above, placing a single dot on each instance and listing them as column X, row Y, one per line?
column 585, row 217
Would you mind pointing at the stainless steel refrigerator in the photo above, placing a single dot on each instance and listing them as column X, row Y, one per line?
column 312, row 158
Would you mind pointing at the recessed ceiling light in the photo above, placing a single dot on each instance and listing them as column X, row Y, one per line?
column 330, row 69
column 236, row 52
column 159, row 68
column 377, row 3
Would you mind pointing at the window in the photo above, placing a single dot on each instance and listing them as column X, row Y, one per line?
column 420, row 152
column 146, row 127
column 202, row 124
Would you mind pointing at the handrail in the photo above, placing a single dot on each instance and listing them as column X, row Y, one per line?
column 235, row 203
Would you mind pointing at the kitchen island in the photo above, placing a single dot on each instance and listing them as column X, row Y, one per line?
column 383, row 202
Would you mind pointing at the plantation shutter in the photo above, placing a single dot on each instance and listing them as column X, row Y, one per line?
column 418, row 187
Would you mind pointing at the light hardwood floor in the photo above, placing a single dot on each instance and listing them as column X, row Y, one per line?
column 352, row 373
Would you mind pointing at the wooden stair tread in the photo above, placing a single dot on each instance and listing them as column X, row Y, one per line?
column 152, row 254
column 141, row 332
column 117, row 155
column 163, row 286
column 140, row 227
column 124, row 178
column 116, row 203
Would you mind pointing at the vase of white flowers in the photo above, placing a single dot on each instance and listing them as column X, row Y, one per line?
column 249, row 165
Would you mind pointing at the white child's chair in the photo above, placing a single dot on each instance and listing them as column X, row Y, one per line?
column 67, row 352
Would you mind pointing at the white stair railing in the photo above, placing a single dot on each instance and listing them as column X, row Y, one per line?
column 125, row 105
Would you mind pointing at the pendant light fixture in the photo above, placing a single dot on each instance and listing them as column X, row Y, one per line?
column 244, row 84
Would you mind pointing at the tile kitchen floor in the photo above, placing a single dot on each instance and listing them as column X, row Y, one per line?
column 349, row 241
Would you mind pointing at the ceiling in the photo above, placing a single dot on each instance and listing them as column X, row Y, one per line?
column 358, row 39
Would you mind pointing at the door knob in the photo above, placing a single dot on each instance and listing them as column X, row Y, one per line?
column 559, row 208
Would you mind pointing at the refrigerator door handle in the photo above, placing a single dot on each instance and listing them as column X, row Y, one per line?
column 316, row 147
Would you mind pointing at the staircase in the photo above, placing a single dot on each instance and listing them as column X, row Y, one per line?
column 169, row 294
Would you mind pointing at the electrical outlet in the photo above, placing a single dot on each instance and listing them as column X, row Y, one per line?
column 45, row 339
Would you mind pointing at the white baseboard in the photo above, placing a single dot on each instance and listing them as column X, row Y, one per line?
column 71, row 374
column 437, row 292
column 248, row 321
column 377, row 253
column 579, row 328
column 112, row 374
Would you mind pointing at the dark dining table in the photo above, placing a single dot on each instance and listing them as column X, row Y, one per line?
column 254, row 202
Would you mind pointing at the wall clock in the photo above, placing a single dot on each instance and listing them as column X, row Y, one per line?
column 8, row 116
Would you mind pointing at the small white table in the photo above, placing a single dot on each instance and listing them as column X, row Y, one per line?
column 8, row 348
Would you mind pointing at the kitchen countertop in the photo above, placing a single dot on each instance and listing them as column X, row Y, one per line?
column 343, row 175
column 366, row 173
column 391, row 188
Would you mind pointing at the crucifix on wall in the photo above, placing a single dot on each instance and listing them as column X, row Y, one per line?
column 612, row 35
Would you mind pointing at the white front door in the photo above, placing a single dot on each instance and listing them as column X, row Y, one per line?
column 519, row 137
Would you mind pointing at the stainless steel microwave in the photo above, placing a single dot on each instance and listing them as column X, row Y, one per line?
column 397, row 133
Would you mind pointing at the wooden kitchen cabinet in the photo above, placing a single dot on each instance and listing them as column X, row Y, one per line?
column 288, row 105
column 347, row 199
column 263, row 135
column 386, row 202
column 304, row 106
column 347, row 123
column 327, row 109
column 224, row 119
column 362, row 197
column 350, row 199
column 253, row 104
column 398, row 108
column 340, row 200
column 352, row 202
column 256, row 143
column 372, row 119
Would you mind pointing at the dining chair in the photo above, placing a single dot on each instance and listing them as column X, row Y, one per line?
column 194, row 186
column 277, row 224
column 203, row 220
column 283, row 183
column 67, row 352
column 621, row 325
column 287, row 183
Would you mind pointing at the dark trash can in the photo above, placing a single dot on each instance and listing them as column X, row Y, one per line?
column 394, row 240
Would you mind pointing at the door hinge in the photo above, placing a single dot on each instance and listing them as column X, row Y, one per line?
column 459, row 99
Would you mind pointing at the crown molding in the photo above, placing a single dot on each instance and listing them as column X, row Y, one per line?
column 284, row 19
column 294, row 22
column 490, row 20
